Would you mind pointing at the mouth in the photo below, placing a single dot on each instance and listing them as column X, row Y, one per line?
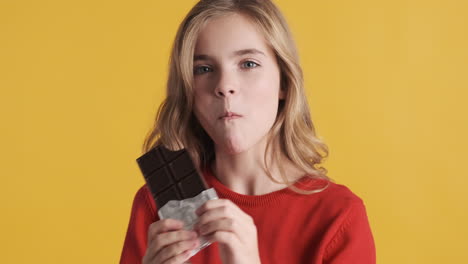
column 229, row 116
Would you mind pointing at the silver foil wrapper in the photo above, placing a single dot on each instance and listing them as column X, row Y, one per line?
column 184, row 211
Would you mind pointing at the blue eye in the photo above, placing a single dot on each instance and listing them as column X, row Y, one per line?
column 201, row 70
column 250, row 64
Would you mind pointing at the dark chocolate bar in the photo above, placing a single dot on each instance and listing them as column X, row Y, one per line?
column 170, row 175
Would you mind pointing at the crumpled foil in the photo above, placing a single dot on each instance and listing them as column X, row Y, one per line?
column 184, row 210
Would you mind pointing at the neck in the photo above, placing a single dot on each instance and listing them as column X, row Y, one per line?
column 245, row 172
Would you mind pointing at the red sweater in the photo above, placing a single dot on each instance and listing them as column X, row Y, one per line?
column 326, row 227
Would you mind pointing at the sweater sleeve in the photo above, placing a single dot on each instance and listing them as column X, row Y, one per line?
column 353, row 242
column 142, row 216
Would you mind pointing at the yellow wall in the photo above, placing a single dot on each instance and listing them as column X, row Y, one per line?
column 80, row 82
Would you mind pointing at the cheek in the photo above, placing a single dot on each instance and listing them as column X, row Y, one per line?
column 202, row 84
column 200, row 94
column 270, row 92
column 265, row 91
column 199, row 107
column 203, row 110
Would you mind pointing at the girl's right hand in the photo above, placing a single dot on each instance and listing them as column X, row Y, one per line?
column 168, row 243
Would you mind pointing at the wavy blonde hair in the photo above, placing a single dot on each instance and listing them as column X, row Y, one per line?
column 293, row 132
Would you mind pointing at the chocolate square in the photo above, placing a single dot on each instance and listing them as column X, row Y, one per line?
column 170, row 175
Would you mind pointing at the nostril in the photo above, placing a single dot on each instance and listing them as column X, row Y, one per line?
column 225, row 93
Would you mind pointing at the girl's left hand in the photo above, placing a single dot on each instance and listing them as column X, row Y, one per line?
column 224, row 222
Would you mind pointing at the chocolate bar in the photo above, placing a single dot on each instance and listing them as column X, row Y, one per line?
column 170, row 175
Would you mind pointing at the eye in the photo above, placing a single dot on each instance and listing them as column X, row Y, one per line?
column 250, row 64
column 201, row 70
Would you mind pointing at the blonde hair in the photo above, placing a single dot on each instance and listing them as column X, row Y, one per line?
column 293, row 132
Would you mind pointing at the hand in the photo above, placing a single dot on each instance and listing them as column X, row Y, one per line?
column 224, row 222
column 168, row 243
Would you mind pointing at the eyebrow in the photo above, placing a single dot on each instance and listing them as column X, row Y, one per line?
column 234, row 54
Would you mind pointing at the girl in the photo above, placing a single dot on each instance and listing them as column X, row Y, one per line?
column 236, row 102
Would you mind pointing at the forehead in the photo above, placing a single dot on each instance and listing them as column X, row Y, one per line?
column 226, row 34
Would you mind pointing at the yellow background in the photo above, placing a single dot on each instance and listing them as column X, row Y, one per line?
column 81, row 80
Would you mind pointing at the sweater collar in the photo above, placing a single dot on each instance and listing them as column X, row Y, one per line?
column 304, row 183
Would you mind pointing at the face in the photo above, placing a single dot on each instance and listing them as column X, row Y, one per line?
column 236, row 83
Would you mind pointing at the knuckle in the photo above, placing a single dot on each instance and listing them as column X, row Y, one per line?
column 163, row 255
column 213, row 225
column 152, row 232
column 157, row 243
column 177, row 247
column 170, row 236
column 187, row 235
column 231, row 224
column 152, row 228
column 225, row 210
column 250, row 218
column 183, row 235
column 165, row 222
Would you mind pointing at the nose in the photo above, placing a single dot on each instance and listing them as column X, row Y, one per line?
column 227, row 85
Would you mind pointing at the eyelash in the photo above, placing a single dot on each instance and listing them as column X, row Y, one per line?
column 201, row 67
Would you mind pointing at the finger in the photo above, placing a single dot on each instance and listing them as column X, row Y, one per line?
column 224, row 224
column 162, row 226
column 217, row 203
column 175, row 250
column 166, row 225
column 214, row 215
column 221, row 208
column 166, row 239
column 226, row 238
column 181, row 258
column 211, row 204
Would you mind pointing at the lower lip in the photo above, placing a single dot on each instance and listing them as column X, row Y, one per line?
column 229, row 117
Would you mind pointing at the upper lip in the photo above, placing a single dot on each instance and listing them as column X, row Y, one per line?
column 229, row 114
